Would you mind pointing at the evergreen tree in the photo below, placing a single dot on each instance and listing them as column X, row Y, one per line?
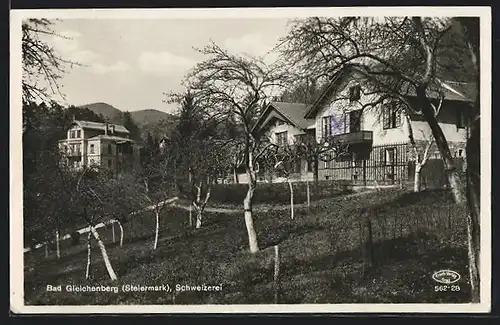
column 130, row 125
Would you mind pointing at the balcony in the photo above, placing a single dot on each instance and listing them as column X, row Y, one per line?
column 354, row 137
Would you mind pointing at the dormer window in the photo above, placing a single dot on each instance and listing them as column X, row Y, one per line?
column 354, row 93
column 78, row 134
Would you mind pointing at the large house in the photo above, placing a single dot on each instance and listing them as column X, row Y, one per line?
column 99, row 144
column 377, row 137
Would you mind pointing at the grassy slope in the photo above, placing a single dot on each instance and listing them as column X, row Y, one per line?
column 321, row 260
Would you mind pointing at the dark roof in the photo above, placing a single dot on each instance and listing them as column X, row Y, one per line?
column 100, row 126
column 293, row 112
column 458, row 91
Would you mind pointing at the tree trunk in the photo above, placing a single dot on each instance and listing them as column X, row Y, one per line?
column 442, row 144
column 417, row 184
column 315, row 162
column 121, row 230
column 235, row 176
column 89, row 255
column 58, row 251
column 292, row 214
column 157, row 214
column 198, row 219
column 474, row 206
column 247, row 206
column 105, row 257
column 471, row 29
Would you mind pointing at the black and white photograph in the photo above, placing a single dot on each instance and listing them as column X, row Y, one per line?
column 274, row 160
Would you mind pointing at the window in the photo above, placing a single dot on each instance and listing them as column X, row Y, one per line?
column 330, row 126
column 391, row 117
column 388, row 156
column 461, row 119
column 281, row 138
column 354, row 93
column 110, row 163
column 92, row 162
column 78, row 133
column 309, row 166
column 91, row 149
column 298, row 166
column 72, row 136
column 110, row 149
column 355, row 120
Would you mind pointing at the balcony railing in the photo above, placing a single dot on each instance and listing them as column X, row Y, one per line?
column 354, row 137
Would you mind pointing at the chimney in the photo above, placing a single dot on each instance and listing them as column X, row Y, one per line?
column 113, row 129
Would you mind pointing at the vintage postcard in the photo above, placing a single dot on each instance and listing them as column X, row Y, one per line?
column 251, row 160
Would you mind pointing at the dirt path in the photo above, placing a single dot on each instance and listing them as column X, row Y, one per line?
column 266, row 208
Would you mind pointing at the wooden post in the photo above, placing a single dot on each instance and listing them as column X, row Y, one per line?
column 308, row 191
column 58, row 251
column 190, row 215
column 276, row 272
column 364, row 172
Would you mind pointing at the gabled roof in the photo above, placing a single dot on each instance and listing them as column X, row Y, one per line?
column 100, row 126
column 292, row 112
column 336, row 78
column 452, row 90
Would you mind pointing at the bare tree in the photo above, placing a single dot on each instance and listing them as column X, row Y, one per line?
column 397, row 56
column 156, row 190
column 88, row 197
column 284, row 160
column 42, row 66
column 236, row 86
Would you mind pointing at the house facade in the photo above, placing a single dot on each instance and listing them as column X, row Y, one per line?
column 376, row 137
column 103, row 145
column 284, row 123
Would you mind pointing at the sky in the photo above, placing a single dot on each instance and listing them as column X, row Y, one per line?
column 131, row 63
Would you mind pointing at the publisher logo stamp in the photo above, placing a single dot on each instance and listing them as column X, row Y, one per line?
column 446, row 276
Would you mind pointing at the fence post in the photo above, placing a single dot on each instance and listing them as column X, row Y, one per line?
column 58, row 251
column 308, row 193
column 276, row 272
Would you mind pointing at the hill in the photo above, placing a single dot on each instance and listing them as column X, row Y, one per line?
column 113, row 114
column 156, row 122
column 148, row 116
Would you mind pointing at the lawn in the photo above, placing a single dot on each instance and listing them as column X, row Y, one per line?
column 414, row 235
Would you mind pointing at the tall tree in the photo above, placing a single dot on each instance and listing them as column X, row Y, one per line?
column 397, row 56
column 235, row 86
column 130, row 125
